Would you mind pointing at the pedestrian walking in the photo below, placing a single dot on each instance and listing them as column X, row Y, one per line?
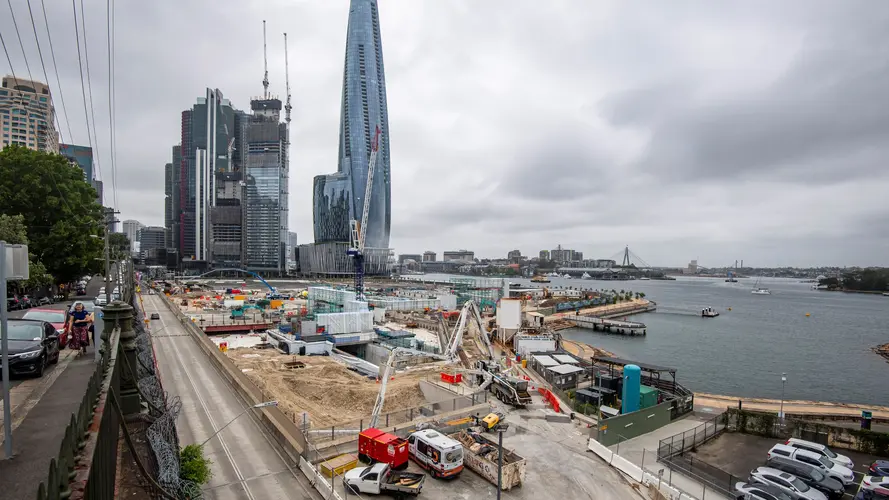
column 78, row 328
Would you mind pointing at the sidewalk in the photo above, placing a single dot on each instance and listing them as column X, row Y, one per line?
column 39, row 422
column 642, row 451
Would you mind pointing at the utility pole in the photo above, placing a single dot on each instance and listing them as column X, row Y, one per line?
column 109, row 223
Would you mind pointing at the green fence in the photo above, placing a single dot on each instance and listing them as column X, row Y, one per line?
column 622, row 427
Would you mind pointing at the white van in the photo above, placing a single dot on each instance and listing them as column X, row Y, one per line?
column 437, row 453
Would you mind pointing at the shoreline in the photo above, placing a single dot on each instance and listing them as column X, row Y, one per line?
column 882, row 351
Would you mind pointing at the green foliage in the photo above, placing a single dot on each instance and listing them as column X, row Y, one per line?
column 872, row 279
column 875, row 443
column 193, row 466
column 58, row 208
column 119, row 246
column 13, row 231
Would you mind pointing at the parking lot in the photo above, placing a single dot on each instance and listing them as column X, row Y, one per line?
column 558, row 466
column 738, row 454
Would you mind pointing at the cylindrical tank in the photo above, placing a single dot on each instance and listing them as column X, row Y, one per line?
column 630, row 394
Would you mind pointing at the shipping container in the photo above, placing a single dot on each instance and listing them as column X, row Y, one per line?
column 375, row 445
column 647, row 397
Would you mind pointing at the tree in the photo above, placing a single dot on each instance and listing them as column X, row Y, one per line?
column 119, row 246
column 13, row 231
column 58, row 207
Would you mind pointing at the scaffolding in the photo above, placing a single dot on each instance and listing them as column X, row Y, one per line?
column 485, row 292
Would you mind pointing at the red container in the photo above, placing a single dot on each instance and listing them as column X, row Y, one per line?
column 375, row 445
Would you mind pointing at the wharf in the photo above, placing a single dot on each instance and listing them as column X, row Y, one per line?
column 236, row 327
column 608, row 325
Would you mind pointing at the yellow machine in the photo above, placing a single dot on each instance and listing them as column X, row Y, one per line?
column 490, row 421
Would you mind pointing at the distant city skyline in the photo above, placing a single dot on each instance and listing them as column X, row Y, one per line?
column 685, row 133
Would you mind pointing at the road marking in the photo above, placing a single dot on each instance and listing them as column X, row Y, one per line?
column 213, row 425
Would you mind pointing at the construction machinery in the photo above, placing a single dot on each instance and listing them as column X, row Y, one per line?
column 358, row 229
column 469, row 312
column 511, row 390
column 489, row 422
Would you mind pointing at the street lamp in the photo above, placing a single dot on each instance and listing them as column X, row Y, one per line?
column 783, row 382
column 501, row 428
column 258, row 405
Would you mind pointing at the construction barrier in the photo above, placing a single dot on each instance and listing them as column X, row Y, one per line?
column 551, row 398
column 452, row 379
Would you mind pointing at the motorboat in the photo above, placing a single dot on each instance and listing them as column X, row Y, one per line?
column 709, row 312
column 540, row 279
column 645, row 278
column 586, row 276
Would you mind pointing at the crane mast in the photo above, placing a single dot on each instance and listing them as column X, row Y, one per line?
column 287, row 106
column 265, row 65
column 357, row 229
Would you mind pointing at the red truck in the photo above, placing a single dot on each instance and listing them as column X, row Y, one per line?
column 375, row 445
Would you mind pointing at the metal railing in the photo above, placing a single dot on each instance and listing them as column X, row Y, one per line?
column 675, row 452
column 394, row 418
column 81, row 444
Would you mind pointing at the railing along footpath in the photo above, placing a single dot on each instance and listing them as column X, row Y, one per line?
column 124, row 379
column 675, row 452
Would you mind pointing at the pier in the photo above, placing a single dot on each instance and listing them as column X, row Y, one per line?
column 608, row 325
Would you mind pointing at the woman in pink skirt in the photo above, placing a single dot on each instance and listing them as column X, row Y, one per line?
column 79, row 327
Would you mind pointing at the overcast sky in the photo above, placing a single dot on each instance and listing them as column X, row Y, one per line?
column 754, row 130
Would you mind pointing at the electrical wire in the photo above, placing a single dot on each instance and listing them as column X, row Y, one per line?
column 52, row 52
column 45, row 75
column 14, row 23
column 109, row 21
column 82, row 82
column 3, row 42
column 86, row 57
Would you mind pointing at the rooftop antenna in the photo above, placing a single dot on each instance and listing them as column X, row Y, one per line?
column 265, row 65
column 287, row 106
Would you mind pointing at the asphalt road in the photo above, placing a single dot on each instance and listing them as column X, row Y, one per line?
column 246, row 464
column 91, row 290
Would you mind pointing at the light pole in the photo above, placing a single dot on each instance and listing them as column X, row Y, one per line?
column 258, row 405
column 783, row 382
column 501, row 427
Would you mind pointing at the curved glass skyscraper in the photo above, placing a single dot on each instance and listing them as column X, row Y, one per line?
column 339, row 197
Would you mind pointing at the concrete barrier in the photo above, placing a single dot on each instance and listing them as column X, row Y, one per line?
column 318, row 481
column 637, row 473
column 286, row 433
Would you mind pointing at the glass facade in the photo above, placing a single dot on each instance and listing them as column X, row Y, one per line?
column 82, row 156
column 338, row 197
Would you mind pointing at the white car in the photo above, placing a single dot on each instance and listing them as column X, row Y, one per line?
column 787, row 483
column 821, row 450
column 874, row 482
column 820, row 462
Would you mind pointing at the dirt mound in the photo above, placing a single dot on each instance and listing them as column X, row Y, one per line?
column 329, row 392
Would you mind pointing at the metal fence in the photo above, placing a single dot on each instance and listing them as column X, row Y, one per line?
column 406, row 416
column 676, row 452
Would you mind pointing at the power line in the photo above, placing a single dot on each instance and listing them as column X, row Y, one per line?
column 109, row 21
column 24, row 56
column 42, row 65
column 3, row 42
column 86, row 56
column 52, row 175
column 82, row 83
column 58, row 79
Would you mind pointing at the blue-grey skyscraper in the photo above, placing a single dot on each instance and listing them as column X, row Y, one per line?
column 339, row 197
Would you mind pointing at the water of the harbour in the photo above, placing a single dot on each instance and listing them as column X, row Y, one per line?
column 827, row 356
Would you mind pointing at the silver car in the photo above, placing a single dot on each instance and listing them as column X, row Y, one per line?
column 747, row 491
column 785, row 482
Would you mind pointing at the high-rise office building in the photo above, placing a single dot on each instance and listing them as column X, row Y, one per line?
column 27, row 115
column 208, row 131
column 131, row 228
column 176, row 212
column 267, row 180
column 151, row 237
column 82, row 156
column 339, row 197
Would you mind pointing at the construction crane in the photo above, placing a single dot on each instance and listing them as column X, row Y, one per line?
column 265, row 66
column 357, row 233
column 287, row 106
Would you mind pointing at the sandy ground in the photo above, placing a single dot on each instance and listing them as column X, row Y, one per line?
column 582, row 350
column 790, row 406
column 325, row 389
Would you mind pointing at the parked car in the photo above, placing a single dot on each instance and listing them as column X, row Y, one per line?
column 788, row 483
column 747, row 491
column 827, row 466
column 101, row 300
column 27, row 303
column 56, row 317
column 821, row 449
column 13, row 303
column 44, row 301
column 879, row 468
column 33, row 345
column 875, row 482
column 877, row 494
column 810, row 475
column 155, row 316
